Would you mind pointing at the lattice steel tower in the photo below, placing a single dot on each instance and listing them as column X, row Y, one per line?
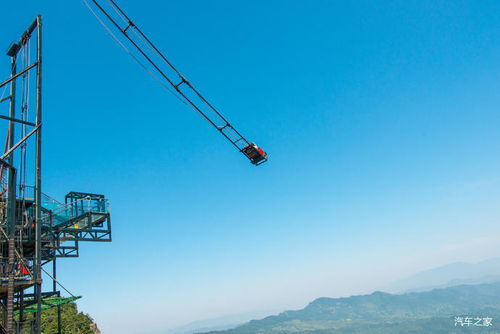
column 35, row 229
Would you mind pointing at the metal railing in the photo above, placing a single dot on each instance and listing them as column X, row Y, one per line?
column 70, row 212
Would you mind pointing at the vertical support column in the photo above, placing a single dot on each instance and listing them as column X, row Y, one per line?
column 38, row 182
column 10, row 289
column 21, row 311
column 54, row 289
column 11, row 225
column 11, row 219
column 11, row 215
column 12, row 113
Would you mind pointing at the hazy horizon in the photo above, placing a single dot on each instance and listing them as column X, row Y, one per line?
column 249, row 314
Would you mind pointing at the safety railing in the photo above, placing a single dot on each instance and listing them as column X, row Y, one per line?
column 70, row 212
column 48, row 203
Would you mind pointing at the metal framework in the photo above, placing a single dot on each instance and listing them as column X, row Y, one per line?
column 140, row 47
column 35, row 229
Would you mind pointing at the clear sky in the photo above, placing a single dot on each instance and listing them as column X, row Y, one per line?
column 382, row 123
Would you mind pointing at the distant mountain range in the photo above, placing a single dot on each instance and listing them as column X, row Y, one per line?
column 460, row 273
column 221, row 323
column 432, row 312
column 450, row 275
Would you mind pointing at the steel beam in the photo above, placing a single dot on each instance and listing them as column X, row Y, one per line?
column 14, row 77
column 38, row 181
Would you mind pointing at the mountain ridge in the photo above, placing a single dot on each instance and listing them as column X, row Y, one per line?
column 382, row 310
column 457, row 273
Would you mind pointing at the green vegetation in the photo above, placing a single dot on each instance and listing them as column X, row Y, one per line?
column 431, row 312
column 72, row 321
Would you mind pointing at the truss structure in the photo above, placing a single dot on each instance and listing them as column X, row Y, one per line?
column 35, row 229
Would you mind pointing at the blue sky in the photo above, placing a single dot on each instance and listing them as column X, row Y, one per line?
column 381, row 120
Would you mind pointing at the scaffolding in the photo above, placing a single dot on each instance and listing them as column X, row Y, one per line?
column 35, row 229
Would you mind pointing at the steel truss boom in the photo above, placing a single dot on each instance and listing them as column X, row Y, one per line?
column 166, row 73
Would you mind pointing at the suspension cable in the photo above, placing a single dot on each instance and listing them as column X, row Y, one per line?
column 117, row 40
column 183, row 88
column 59, row 283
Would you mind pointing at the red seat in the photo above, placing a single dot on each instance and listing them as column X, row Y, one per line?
column 254, row 153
